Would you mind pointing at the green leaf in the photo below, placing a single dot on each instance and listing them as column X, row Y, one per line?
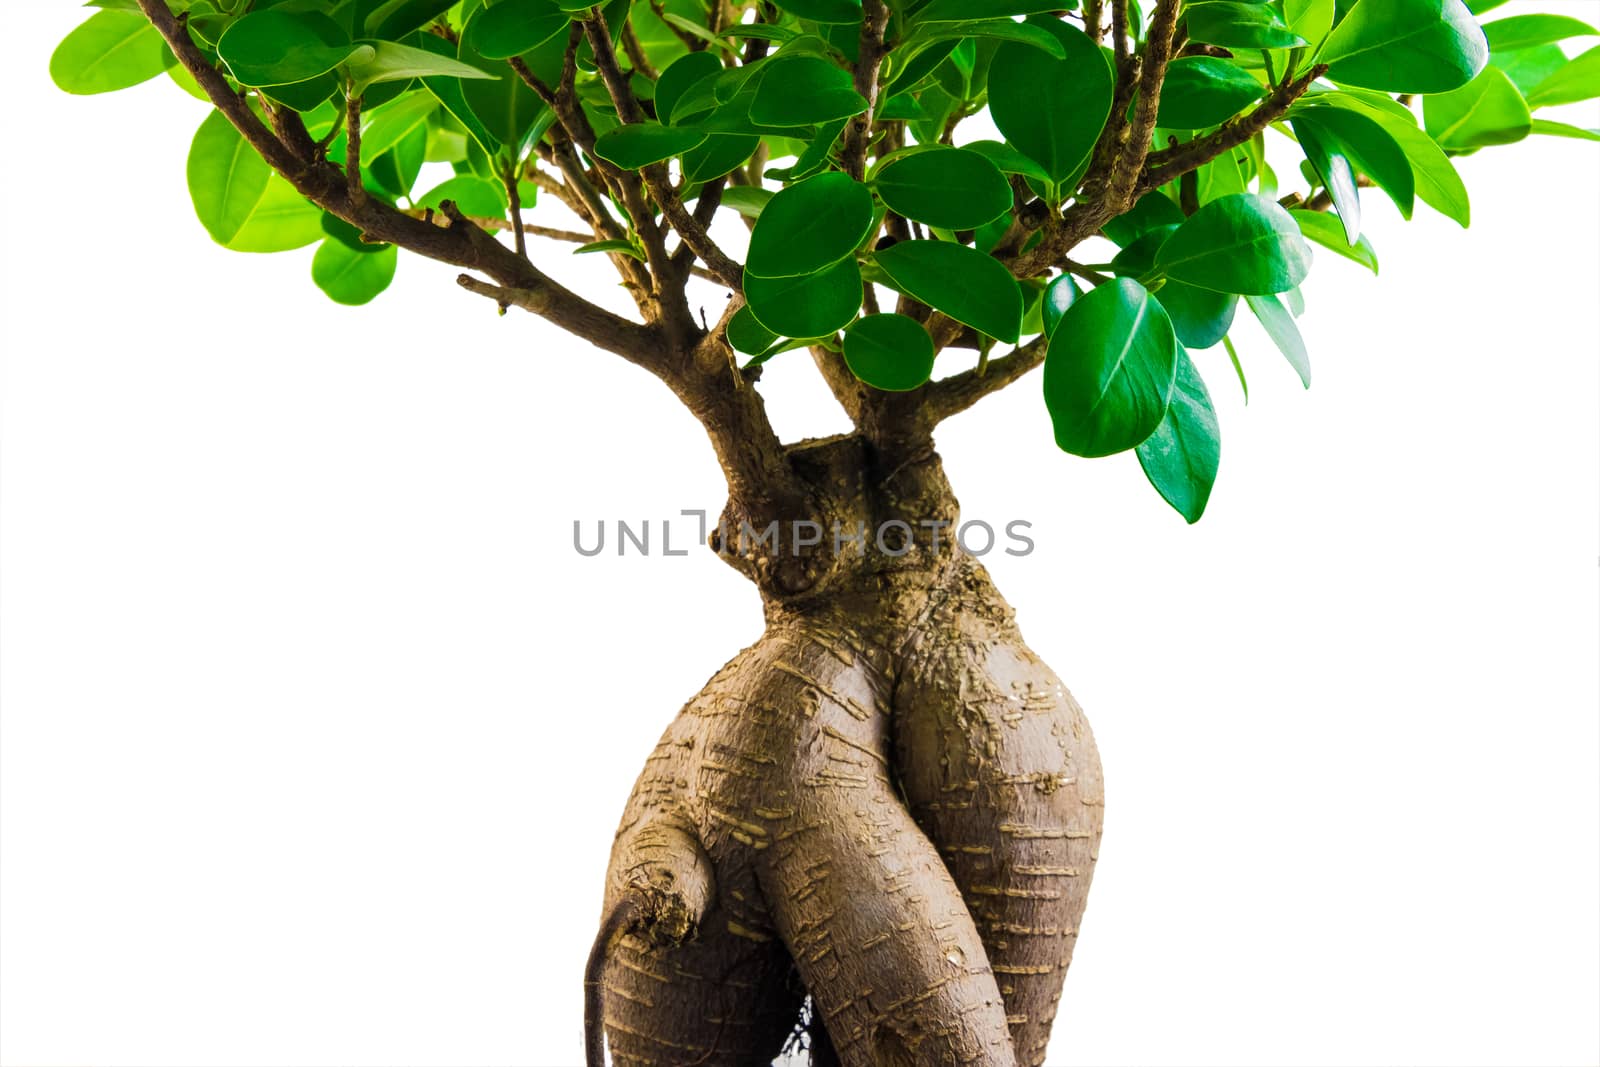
column 385, row 61
column 475, row 196
column 999, row 30
column 951, row 188
column 112, row 50
column 617, row 245
column 969, row 10
column 394, row 19
column 685, row 72
column 1200, row 317
column 1528, row 67
column 1329, row 233
column 1058, row 296
column 512, row 27
column 1578, row 80
column 747, row 335
column 505, row 108
column 273, row 47
column 720, row 153
column 282, row 220
column 641, row 144
column 226, row 177
column 1528, row 31
column 351, row 277
column 1109, row 370
column 889, row 352
column 1334, row 171
column 1486, row 111
column 1280, row 326
column 802, row 90
column 747, row 200
column 1181, row 457
column 1008, row 160
column 829, row 11
column 1153, row 210
column 386, row 126
column 1242, row 244
column 1406, row 46
column 449, row 93
column 1310, row 19
column 809, row 226
column 1437, row 182
column 1203, row 91
column 1052, row 110
column 1562, row 129
column 965, row 284
column 1236, row 25
column 814, row 305
column 1371, row 149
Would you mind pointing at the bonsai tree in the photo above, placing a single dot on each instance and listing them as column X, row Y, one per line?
column 878, row 823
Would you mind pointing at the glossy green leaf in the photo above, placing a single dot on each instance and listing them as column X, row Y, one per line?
column 965, row 284
column 1204, row 91
column 1527, row 31
column 1371, row 149
column 951, row 188
column 385, row 127
column 1241, row 244
column 449, row 94
column 813, row 305
column 351, row 277
column 889, row 352
column 385, row 61
column 1486, row 111
column 1309, row 19
column 1182, row 456
column 1109, row 370
column 1052, row 110
column 282, row 220
column 1437, row 183
column 747, row 335
column 112, row 50
column 970, row 10
column 830, row 11
column 1008, row 160
column 393, row 19
column 720, row 153
column 1280, row 326
column 1562, row 129
column 512, row 27
column 1058, row 296
column 617, row 245
column 504, row 108
column 273, row 47
column 1527, row 67
column 1406, row 46
column 1333, row 168
column 1239, row 25
column 1577, row 80
column 685, row 72
column 802, row 90
column 226, row 177
column 809, row 226
column 474, row 196
column 641, row 144
column 1000, row 30
column 1200, row 317
column 1153, row 210
column 1329, row 233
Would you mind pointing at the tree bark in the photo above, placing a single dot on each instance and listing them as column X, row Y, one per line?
column 887, row 803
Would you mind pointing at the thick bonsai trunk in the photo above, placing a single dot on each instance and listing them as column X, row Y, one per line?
column 888, row 802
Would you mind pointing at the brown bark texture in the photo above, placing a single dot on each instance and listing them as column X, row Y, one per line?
column 887, row 803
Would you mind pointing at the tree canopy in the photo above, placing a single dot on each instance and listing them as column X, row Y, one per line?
column 915, row 175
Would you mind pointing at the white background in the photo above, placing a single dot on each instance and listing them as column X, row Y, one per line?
column 317, row 728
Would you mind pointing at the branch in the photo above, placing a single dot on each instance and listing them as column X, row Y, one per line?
column 461, row 243
column 656, row 178
column 1165, row 166
column 955, row 394
column 352, row 151
column 874, row 22
column 1125, row 166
